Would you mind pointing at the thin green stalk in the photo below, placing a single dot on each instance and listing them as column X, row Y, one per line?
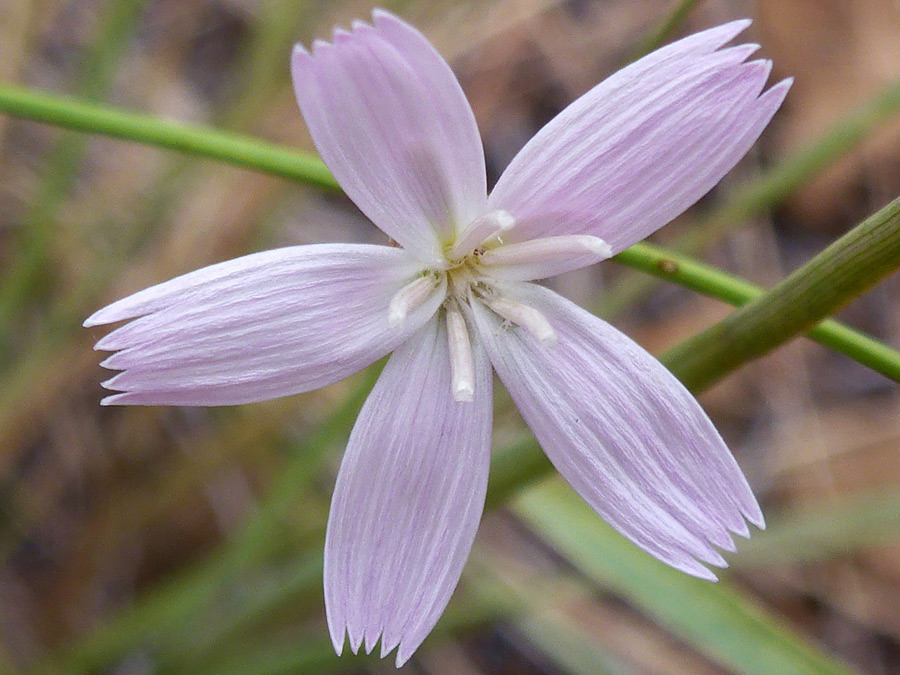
column 734, row 290
column 229, row 147
column 843, row 271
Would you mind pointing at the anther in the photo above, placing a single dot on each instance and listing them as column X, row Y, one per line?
column 525, row 316
column 408, row 298
column 462, row 368
column 479, row 230
column 549, row 256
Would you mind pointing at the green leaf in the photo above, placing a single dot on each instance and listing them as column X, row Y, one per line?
column 716, row 619
column 818, row 532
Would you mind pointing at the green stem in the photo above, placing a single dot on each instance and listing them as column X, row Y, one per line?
column 233, row 148
column 734, row 290
column 840, row 273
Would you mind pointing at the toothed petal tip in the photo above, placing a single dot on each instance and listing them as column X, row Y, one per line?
column 109, row 361
column 337, row 638
column 758, row 520
column 719, row 561
column 104, row 316
column 380, row 15
column 319, row 46
column 727, row 544
column 738, row 25
column 111, row 383
column 402, row 657
column 107, row 343
column 697, row 570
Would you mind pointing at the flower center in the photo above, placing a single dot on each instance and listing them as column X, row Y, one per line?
column 468, row 281
column 474, row 270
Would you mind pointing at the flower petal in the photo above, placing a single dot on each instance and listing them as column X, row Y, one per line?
column 262, row 326
column 392, row 123
column 408, row 498
column 643, row 145
column 623, row 431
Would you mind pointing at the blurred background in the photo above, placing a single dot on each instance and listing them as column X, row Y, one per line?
column 172, row 540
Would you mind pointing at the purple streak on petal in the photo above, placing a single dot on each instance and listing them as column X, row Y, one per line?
column 408, row 499
column 392, row 123
column 623, row 431
column 262, row 326
column 642, row 146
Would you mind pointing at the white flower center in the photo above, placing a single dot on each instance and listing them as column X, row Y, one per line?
column 473, row 267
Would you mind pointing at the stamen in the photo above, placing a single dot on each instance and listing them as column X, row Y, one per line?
column 480, row 229
column 462, row 368
column 408, row 298
column 528, row 317
column 549, row 249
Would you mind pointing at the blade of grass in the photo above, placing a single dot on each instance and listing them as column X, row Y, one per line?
column 546, row 611
column 818, row 532
column 714, row 618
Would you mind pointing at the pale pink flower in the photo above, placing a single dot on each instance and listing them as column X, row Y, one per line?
column 392, row 123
